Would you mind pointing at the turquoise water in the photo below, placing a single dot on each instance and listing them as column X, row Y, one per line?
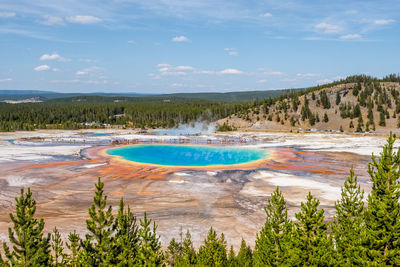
column 184, row 155
column 96, row 134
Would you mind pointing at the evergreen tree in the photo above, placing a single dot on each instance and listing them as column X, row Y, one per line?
column 273, row 242
column 382, row 218
column 348, row 223
column 357, row 89
column 312, row 119
column 74, row 248
column 173, row 252
column 382, row 120
column 149, row 253
column 126, row 239
column 360, row 124
column 245, row 255
column 324, row 100
column 370, row 115
column 213, row 252
column 295, row 103
column 232, row 262
column 326, row 118
column 59, row 257
column 29, row 247
column 98, row 243
column 338, row 99
column 356, row 111
column 188, row 254
column 313, row 246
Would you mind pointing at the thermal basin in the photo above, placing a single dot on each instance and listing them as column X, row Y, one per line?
column 189, row 155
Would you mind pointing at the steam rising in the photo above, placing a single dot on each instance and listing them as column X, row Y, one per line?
column 193, row 128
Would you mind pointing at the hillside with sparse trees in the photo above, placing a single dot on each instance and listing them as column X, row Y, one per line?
column 356, row 104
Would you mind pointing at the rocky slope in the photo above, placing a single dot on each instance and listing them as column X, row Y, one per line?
column 367, row 104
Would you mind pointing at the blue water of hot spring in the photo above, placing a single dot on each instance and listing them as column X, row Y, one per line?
column 188, row 155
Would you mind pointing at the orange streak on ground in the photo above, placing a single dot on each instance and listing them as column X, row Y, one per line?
column 58, row 164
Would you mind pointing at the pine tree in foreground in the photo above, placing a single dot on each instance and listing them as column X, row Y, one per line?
column 150, row 253
column 173, row 252
column 245, row 255
column 74, row 247
column 59, row 257
column 213, row 252
column 187, row 256
column 232, row 258
column 29, row 247
column 126, row 239
column 313, row 247
column 348, row 223
column 98, row 243
column 273, row 242
column 382, row 218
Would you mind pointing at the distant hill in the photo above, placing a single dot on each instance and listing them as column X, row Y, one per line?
column 17, row 95
column 234, row 96
column 48, row 95
column 357, row 104
column 24, row 92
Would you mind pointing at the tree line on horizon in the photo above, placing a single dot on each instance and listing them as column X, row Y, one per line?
column 361, row 234
column 75, row 112
column 27, row 117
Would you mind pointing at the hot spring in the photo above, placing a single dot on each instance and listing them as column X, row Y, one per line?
column 188, row 155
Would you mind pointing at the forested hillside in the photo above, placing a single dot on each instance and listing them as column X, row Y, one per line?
column 135, row 97
column 360, row 234
column 357, row 103
column 151, row 113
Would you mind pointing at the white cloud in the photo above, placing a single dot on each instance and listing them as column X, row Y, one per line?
column 163, row 65
column 351, row 37
column 184, row 68
column 262, row 81
column 90, row 71
column 168, row 70
column 42, row 68
column 66, row 81
column 165, row 69
column 231, row 51
column 6, row 15
column 328, row 28
column 180, row 39
column 383, row 21
column 274, row 73
column 324, row 81
column 54, row 56
column 5, row 80
column 207, row 72
column 177, row 85
column 81, row 81
column 231, row 71
column 307, row 75
column 84, row 19
column 87, row 60
column 52, row 20
column 266, row 15
column 131, row 42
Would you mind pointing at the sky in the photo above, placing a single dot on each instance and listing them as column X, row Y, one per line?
column 167, row 46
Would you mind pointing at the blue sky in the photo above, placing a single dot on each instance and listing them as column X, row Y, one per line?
column 162, row 46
